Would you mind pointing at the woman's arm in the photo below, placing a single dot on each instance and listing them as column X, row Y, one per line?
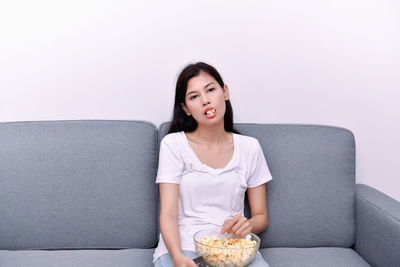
column 169, row 224
column 257, row 197
column 258, row 221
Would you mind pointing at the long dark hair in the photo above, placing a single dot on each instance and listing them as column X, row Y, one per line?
column 181, row 121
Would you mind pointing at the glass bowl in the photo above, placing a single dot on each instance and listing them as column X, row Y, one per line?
column 216, row 255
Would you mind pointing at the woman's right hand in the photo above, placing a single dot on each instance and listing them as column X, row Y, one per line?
column 184, row 261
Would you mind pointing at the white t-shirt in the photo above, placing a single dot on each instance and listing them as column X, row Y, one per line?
column 208, row 196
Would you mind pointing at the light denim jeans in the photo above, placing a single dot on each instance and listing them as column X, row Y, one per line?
column 166, row 261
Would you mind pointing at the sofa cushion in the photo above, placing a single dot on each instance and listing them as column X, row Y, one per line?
column 311, row 200
column 78, row 258
column 78, row 184
column 313, row 257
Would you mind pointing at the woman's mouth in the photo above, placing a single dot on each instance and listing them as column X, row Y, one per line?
column 211, row 113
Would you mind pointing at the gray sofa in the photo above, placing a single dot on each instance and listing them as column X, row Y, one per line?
column 82, row 193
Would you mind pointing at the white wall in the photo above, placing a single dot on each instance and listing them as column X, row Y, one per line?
column 333, row 63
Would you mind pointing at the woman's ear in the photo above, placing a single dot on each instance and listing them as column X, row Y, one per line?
column 226, row 92
column 184, row 107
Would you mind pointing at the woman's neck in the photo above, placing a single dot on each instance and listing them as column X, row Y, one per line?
column 214, row 135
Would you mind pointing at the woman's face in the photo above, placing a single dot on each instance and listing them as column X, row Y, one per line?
column 205, row 99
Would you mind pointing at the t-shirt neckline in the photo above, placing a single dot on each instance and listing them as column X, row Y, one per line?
column 235, row 148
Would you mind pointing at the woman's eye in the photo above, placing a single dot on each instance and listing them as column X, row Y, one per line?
column 193, row 97
column 211, row 89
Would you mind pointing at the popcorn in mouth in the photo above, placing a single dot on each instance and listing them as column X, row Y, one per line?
column 210, row 112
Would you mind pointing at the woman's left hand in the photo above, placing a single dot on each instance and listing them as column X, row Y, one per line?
column 238, row 225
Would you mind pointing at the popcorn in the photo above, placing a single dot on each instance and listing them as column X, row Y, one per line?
column 235, row 252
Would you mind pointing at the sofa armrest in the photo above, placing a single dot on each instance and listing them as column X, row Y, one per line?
column 377, row 227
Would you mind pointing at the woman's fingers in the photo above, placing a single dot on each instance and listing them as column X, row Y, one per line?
column 188, row 262
column 242, row 220
column 184, row 261
column 244, row 229
column 228, row 223
column 226, row 226
column 238, row 225
column 192, row 264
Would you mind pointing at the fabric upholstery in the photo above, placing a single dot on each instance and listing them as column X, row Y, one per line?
column 311, row 198
column 378, row 227
column 78, row 184
column 78, row 258
column 83, row 193
column 313, row 257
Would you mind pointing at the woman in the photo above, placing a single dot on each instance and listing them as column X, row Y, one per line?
column 205, row 168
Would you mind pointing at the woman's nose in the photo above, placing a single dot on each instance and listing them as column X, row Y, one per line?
column 205, row 100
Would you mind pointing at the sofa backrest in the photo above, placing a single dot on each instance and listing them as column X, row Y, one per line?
column 78, row 184
column 90, row 184
column 311, row 199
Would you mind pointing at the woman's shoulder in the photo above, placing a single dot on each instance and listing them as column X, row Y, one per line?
column 248, row 145
column 171, row 138
column 246, row 140
column 250, row 148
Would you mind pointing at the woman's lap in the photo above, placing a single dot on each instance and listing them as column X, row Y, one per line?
column 166, row 261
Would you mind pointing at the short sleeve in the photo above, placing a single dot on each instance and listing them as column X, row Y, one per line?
column 170, row 164
column 259, row 171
